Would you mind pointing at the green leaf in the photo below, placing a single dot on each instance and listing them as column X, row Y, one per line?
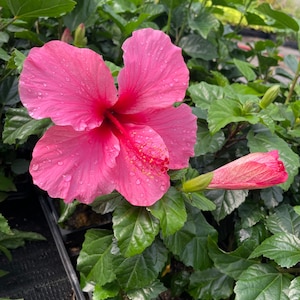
column 119, row 21
column 198, row 47
column 245, row 68
column 114, row 69
column 107, row 203
column 225, row 111
column 141, row 270
column 67, row 210
column 284, row 219
column 266, row 141
column 250, row 214
column 109, row 290
column 4, row 55
column 6, row 252
column 197, row 199
column 4, row 227
column 148, row 292
column 6, row 184
column 230, row 263
column 291, row 61
column 19, row 126
column 294, row 289
column 210, row 284
column 135, row 228
column 82, row 13
column 283, row 248
column 226, row 201
column 95, row 261
column 261, row 282
column 171, row 212
column 203, row 94
column 190, row 242
column 9, row 91
column 39, row 8
column 206, row 142
column 204, row 22
column 18, row 238
column 272, row 196
column 281, row 18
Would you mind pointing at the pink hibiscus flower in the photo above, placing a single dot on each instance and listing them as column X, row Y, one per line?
column 253, row 171
column 104, row 139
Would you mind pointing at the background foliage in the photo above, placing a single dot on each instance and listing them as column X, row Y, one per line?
column 212, row 245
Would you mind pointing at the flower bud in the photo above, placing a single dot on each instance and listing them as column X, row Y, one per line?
column 254, row 171
column 80, row 39
column 199, row 183
column 67, row 36
column 269, row 96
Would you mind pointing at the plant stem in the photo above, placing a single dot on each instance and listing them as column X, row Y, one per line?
column 294, row 82
column 181, row 31
column 3, row 26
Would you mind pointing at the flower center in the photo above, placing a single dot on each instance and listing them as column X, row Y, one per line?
column 145, row 149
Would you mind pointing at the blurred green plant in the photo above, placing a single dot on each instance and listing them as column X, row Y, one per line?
column 210, row 245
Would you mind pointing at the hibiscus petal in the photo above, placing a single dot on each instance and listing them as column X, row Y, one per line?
column 143, row 162
column 75, row 165
column 72, row 86
column 178, row 129
column 154, row 73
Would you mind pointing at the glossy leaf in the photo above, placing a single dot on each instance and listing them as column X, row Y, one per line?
column 40, row 8
column 250, row 214
column 141, row 270
column 135, row 228
column 261, row 282
column 95, row 260
column 203, row 23
column 109, row 290
column 197, row 199
column 283, row 248
column 226, row 201
column 198, row 47
column 170, row 211
column 4, row 227
column 206, row 142
column 203, row 94
column 281, row 18
column 190, row 242
column 210, row 284
column 148, row 292
column 284, row 219
column 82, row 13
column 272, row 196
column 230, row 263
column 19, row 126
column 245, row 68
column 266, row 141
column 107, row 203
column 294, row 289
column 227, row 111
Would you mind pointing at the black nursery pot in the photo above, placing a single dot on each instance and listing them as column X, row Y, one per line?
column 69, row 238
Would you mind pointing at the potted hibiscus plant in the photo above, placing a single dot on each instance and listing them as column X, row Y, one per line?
column 153, row 113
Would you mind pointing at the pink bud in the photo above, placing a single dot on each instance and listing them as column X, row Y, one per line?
column 67, row 36
column 253, row 171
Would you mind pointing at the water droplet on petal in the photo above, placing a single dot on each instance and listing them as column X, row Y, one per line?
column 67, row 177
column 35, row 167
column 138, row 181
column 60, row 163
